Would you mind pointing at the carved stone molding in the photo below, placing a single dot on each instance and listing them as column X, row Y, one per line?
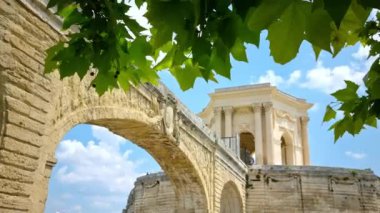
column 217, row 110
column 285, row 115
column 257, row 107
column 228, row 109
column 244, row 127
column 268, row 106
column 169, row 119
column 244, row 109
column 304, row 119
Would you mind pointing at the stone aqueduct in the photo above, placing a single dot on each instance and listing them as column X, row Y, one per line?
column 36, row 110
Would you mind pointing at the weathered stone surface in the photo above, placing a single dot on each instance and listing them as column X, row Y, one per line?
column 36, row 110
column 277, row 189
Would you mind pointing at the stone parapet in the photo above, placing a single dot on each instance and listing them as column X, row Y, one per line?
column 294, row 188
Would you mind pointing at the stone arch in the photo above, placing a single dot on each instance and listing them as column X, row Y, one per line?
column 231, row 201
column 136, row 116
column 247, row 147
column 287, row 146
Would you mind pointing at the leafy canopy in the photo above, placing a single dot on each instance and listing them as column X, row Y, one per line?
column 195, row 39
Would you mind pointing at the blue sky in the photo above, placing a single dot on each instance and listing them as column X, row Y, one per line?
column 96, row 169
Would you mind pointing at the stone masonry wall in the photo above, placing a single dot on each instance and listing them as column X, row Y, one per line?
column 24, row 105
column 312, row 189
column 152, row 193
column 280, row 189
column 36, row 110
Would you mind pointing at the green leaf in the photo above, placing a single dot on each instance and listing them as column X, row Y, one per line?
column 371, row 121
column 329, row 114
column 318, row 29
column 351, row 85
column 286, row 35
column 220, row 59
column 350, row 26
column 238, row 51
column 138, row 50
column 348, row 106
column 347, row 94
column 160, row 37
column 341, row 126
column 66, row 11
column 374, row 89
column 75, row 59
column 74, row 17
column 243, row 6
column 186, row 75
column 50, row 63
column 139, row 2
column 318, row 4
column 373, row 74
column 249, row 36
column 317, row 51
column 266, row 13
column 221, row 6
column 337, row 9
column 228, row 30
column 201, row 54
column 167, row 61
column 133, row 26
column 168, row 17
column 353, row 22
column 104, row 81
column 370, row 3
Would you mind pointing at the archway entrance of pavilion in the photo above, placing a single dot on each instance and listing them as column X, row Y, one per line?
column 287, row 157
column 247, row 148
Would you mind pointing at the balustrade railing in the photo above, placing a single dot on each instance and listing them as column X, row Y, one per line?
column 231, row 144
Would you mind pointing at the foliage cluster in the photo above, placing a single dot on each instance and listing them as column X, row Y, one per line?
column 197, row 38
column 360, row 110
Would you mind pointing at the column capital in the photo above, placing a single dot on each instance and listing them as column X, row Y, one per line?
column 257, row 107
column 217, row 110
column 228, row 109
column 268, row 106
column 304, row 119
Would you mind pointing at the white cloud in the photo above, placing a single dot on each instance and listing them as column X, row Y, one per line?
column 73, row 209
column 355, row 155
column 100, row 164
column 106, row 202
column 271, row 77
column 294, row 77
column 362, row 59
column 329, row 80
column 362, row 53
column 322, row 78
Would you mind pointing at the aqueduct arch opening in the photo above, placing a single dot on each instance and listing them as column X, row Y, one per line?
column 138, row 122
column 37, row 110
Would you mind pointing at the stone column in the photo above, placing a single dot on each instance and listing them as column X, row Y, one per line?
column 258, row 134
column 228, row 121
column 305, row 140
column 269, row 132
column 218, row 121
